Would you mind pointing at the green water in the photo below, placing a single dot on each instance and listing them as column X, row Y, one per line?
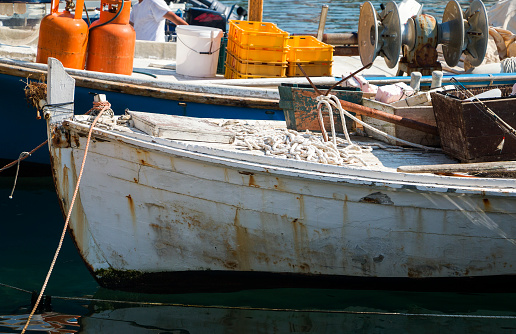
column 30, row 230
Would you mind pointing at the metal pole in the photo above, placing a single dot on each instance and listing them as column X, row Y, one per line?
column 322, row 22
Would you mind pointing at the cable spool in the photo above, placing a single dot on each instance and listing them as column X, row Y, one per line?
column 419, row 37
column 469, row 32
column 379, row 34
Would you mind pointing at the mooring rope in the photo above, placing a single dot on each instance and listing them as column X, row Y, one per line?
column 9, row 165
column 23, row 154
column 105, row 107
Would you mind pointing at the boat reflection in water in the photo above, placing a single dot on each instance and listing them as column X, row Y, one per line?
column 279, row 311
column 300, row 311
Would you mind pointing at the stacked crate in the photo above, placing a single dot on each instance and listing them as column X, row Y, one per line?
column 255, row 50
column 315, row 57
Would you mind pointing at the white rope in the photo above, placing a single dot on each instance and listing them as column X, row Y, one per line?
column 509, row 65
column 22, row 155
column 334, row 101
column 290, row 144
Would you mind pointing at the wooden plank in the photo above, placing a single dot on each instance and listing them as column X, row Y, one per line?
column 181, row 128
column 501, row 166
column 60, row 92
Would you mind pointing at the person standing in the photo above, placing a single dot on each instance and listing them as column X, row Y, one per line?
column 148, row 19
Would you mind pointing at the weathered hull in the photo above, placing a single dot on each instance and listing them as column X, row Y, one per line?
column 151, row 217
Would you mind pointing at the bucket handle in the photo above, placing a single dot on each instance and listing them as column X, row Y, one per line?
column 201, row 53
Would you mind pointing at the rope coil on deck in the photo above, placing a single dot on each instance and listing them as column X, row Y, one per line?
column 307, row 146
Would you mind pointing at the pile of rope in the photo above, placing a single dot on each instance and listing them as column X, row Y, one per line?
column 35, row 91
column 307, row 146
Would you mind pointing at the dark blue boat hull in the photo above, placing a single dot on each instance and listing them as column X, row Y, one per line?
column 22, row 131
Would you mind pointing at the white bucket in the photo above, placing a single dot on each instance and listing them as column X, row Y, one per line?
column 197, row 51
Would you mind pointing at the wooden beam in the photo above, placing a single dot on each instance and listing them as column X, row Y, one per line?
column 498, row 166
column 255, row 10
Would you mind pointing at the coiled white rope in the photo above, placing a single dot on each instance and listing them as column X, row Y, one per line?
column 509, row 65
column 307, row 146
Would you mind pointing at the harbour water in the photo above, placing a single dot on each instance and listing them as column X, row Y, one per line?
column 302, row 16
column 31, row 225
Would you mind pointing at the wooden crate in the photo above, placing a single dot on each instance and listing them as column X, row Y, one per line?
column 423, row 114
column 467, row 134
column 300, row 107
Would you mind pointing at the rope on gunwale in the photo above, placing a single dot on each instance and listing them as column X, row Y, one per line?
column 248, row 308
column 105, row 107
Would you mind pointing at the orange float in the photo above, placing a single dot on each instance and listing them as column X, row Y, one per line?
column 112, row 39
column 63, row 36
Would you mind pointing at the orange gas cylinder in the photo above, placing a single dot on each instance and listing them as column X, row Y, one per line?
column 63, row 36
column 112, row 39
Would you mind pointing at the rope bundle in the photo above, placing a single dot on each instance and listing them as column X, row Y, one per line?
column 291, row 144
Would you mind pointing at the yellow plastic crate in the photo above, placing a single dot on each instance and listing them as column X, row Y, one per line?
column 257, row 54
column 257, row 34
column 308, row 48
column 231, row 73
column 266, row 69
column 312, row 69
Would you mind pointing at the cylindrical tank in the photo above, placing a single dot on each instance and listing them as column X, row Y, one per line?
column 112, row 39
column 63, row 36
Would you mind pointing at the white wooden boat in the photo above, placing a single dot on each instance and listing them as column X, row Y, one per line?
column 163, row 215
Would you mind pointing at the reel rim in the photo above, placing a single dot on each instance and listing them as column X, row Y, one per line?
column 367, row 33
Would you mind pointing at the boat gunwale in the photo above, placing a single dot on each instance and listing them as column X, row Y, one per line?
column 308, row 170
column 223, row 94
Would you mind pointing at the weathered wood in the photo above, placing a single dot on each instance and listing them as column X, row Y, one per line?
column 306, row 117
column 345, row 50
column 60, row 92
column 255, row 10
column 337, row 38
column 395, row 119
column 300, row 107
column 499, row 166
column 156, row 92
column 469, row 135
column 180, row 128
column 322, row 22
column 424, row 114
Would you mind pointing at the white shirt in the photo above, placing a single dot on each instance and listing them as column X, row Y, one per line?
column 148, row 20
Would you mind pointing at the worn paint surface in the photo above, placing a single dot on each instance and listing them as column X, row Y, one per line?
column 470, row 135
column 142, row 211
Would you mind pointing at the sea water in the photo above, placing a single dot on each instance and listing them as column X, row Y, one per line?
column 302, row 16
column 32, row 222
